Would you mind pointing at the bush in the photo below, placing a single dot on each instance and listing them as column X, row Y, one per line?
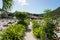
column 35, row 24
column 49, row 30
column 26, row 22
column 38, row 30
column 57, row 22
column 43, row 31
column 14, row 32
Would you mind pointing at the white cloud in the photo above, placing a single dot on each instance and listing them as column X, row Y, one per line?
column 23, row 2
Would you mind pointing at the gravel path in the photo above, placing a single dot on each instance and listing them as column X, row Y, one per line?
column 29, row 33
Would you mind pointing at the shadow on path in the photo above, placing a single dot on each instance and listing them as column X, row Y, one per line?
column 28, row 30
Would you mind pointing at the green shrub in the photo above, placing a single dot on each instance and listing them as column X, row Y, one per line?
column 26, row 22
column 44, row 30
column 57, row 21
column 14, row 32
column 35, row 24
column 38, row 30
column 49, row 30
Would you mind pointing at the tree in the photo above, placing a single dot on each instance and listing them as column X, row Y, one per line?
column 56, row 13
column 23, row 18
column 48, row 13
column 52, row 14
column 21, row 15
column 7, row 4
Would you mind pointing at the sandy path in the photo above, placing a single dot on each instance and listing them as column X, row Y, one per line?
column 29, row 33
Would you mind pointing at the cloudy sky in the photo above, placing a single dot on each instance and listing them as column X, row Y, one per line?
column 34, row 6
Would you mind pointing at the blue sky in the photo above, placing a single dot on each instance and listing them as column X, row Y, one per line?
column 34, row 6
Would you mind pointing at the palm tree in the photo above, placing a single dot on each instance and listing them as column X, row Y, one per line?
column 7, row 4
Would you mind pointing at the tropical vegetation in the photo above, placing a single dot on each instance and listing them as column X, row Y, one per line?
column 13, row 32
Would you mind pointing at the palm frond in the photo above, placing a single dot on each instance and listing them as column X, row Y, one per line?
column 7, row 4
